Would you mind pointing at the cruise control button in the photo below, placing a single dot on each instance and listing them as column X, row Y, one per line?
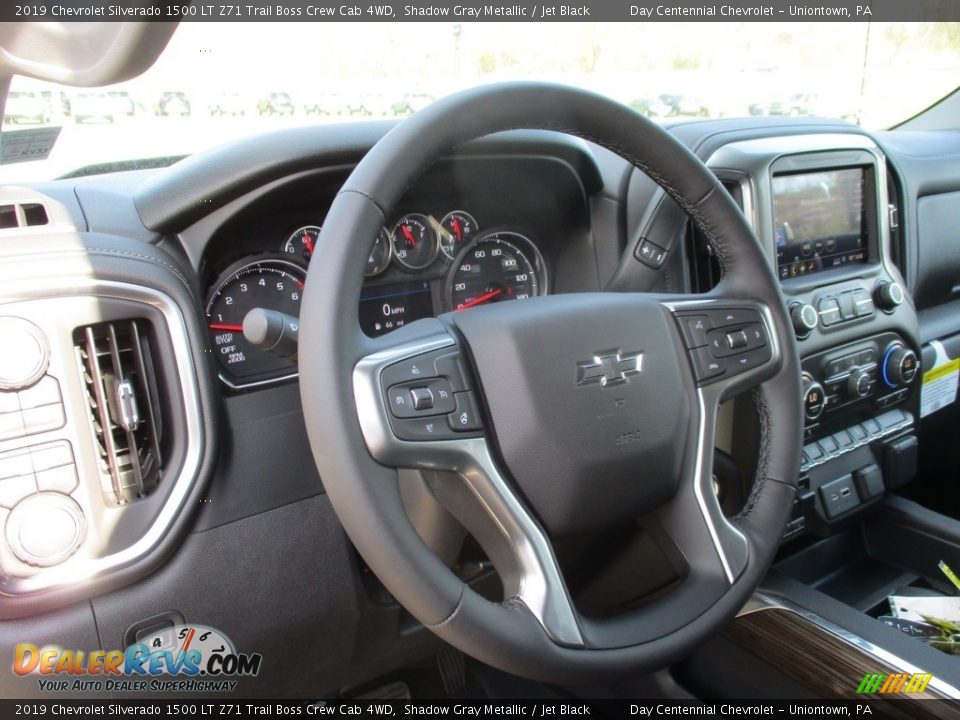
column 756, row 336
column 726, row 317
column 422, row 398
column 705, row 366
column 736, row 340
column 432, row 396
column 465, row 416
column 415, row 368
column 428, row 428
column 746, row 361
column 694, row 329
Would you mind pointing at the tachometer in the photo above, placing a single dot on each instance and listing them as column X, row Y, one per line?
column 271, row 283
column 501, row 265
column 415, row 241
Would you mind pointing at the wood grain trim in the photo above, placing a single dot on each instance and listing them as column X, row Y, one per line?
column 827, row 665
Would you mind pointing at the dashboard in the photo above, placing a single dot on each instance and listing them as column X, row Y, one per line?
column 469, row 233
column 187, row 252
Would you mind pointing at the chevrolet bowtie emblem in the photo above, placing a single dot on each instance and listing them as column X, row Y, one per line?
column 609, row 367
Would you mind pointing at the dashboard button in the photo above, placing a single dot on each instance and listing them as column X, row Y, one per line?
column 847, row 308
column 25, row 354
column 15, row 489
column 9, row 401
column 829, row 311
column 862, row 303
column 45, row 392
column 42, row 419
column 11, row 425
column 51, row 455
column 61, row 479
column 858, row 433
column 16, row 462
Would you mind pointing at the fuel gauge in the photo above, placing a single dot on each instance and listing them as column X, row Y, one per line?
column 302, row 242
column 456, row 230
column 380, row 254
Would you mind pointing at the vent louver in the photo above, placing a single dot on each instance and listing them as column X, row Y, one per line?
column 124, row 407
column 22, row 215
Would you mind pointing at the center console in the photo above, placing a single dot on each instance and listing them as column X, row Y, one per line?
column 818, row 204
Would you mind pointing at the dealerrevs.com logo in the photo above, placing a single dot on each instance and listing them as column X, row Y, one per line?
column 181, row 658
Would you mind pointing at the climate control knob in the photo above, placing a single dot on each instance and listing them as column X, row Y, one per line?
column 888, row 295
column 900, row 366
column 814, row 398
column 804, row 318
column 858, row 384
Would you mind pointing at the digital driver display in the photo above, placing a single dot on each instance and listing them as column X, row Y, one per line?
column 819, row 220
column 386, row 307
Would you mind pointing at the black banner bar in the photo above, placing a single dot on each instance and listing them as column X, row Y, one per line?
column 870, row 706
column 474, row 10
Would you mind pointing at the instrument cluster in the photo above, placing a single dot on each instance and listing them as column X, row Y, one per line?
column 420, row 266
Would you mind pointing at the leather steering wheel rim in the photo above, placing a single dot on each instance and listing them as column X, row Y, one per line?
column 365, row 493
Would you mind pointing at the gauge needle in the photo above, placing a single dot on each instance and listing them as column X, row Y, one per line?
column 458, row 230
column 408, row 234
column 309, row 243
column 481, row 299
column 226, row 326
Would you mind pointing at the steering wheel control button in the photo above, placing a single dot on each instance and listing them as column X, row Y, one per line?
column 465, row 417
column 422, row 398
column 431, row 396
column 25, row 353
column 705, row 365
column 650, row 254
column 694, row 329
column 429, row 428
column 756, row 336
column 746, row 361
column 727, row 317
column 737, row 340
column 45, row 529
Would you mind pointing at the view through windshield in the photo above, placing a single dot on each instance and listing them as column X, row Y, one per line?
column 215, row 82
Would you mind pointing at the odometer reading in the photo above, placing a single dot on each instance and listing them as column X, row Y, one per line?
column 496, row 267
column 271, row 284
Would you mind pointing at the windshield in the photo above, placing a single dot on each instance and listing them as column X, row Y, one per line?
column 215, row 81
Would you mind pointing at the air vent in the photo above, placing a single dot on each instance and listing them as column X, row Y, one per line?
column 124, row 408
column 22, row 215
column 704, row 267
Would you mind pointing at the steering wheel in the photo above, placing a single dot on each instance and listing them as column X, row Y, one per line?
column 553, row 415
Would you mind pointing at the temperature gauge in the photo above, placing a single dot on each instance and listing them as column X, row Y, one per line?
column 380, row 254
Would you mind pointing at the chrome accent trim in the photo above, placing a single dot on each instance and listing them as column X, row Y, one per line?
column 79, row 569
column 709, row 396
column 761, row 601
column 540, row 584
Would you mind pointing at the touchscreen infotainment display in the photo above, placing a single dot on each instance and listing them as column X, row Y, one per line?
column 819, row 220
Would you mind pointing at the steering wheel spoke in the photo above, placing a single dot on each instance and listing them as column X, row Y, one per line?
column 444, row 432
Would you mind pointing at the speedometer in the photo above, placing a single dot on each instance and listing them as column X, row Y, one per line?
column 500, row 265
